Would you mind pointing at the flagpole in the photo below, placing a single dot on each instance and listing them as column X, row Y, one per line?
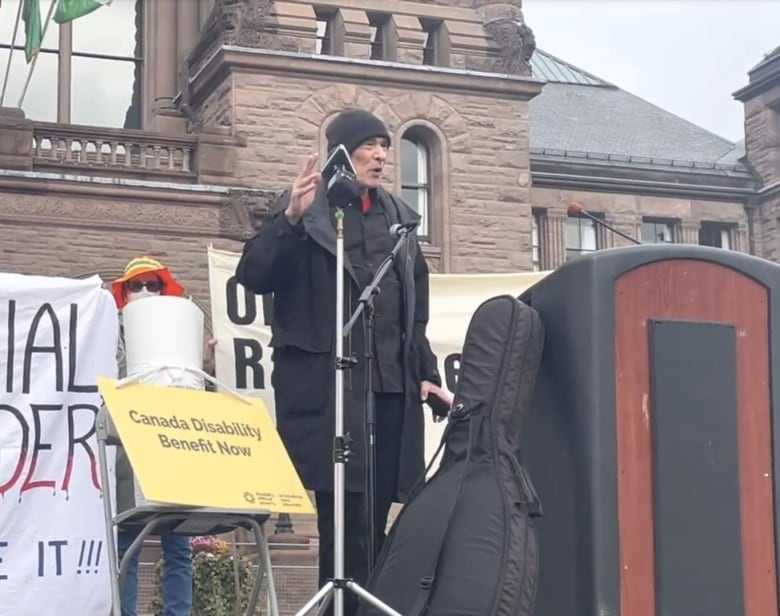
column 11, row 51
column 35, row 58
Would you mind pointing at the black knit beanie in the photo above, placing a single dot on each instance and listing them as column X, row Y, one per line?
column 353, row 127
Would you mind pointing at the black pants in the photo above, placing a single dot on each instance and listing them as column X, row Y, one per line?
column 389, row 424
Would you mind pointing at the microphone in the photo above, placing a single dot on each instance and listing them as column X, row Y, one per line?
column 340, row 174
column 399, row 229
column 575, row 209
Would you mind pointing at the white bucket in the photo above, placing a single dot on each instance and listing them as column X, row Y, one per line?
column 163, row 337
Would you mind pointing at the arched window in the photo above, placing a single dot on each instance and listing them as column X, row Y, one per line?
column 416, row 180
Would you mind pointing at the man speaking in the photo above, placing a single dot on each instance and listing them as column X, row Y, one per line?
column 293, row 257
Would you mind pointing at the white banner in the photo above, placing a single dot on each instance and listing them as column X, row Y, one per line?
column 56, row 336
column 243, row 358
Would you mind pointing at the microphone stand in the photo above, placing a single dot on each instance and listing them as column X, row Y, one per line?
column 576, row 209
column 366, row 303
column 334, row 589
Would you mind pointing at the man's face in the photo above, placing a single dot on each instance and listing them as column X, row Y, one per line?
column 143, row 285
column 369, row 161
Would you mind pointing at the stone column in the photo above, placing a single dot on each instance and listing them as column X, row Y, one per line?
column 187, row 29
column 739, row 238
column 554, row 244
column 356, row 33
column 160, row 25
column 688, row 232
column 410, row 39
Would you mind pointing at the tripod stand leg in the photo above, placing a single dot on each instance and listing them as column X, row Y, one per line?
column 369, row 598
column 321, row 594
column 324, row 606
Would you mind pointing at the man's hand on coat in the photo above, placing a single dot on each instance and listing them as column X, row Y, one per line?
column 431, row 389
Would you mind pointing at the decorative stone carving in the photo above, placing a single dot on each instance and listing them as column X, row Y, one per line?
column 243, row 212
column 243, row 23
column 250, row 27
column 102, row 213
column 515, row 43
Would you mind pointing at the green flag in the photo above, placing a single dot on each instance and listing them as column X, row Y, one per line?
column 68, row 10
column 31, row 15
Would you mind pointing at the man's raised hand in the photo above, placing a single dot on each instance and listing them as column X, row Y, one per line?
column 303, row 189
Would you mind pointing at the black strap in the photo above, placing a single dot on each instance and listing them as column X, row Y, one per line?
column 422, row 480
column 426, row 582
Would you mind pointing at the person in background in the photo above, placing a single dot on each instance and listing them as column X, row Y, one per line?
column 147, row 277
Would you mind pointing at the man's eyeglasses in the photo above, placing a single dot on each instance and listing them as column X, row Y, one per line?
column 153, row 286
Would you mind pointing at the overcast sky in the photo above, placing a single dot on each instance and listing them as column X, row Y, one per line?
column 686, row 56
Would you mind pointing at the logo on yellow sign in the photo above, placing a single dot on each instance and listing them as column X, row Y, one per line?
column 204, row 449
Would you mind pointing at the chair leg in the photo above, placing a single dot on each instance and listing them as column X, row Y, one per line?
column 135, row 546
column 137, row 543
column 273, row 604
column 264, row 567
column 111, row 547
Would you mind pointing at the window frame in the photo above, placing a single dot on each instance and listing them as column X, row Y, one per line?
column 658, row 222
column 721, row 228
column 573, row 253
column 538, row 223
column 422, row 146
column 65, row 53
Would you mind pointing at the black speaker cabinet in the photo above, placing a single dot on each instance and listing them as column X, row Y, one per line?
column 653, row 438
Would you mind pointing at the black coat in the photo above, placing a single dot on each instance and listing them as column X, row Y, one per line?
column 298, row 265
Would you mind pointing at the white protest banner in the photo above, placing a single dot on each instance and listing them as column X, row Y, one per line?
column 242, row 357
column 453, row 300
column 56, row 337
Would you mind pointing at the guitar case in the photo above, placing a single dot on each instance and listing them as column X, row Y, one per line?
column 465, row 543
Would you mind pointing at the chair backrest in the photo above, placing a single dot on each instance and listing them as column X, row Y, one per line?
column 105, row 427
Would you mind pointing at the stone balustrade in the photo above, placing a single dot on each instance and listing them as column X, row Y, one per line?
column 91, row 149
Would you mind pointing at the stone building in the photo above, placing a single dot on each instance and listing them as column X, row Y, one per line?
column 761, row 97
column 164, row 126
column 175, row 127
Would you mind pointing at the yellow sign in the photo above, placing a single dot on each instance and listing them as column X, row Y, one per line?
column 203, row 449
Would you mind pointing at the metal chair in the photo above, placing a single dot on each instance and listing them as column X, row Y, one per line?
column 187, row 521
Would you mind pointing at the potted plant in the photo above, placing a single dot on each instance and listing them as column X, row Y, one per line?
column 222, row 580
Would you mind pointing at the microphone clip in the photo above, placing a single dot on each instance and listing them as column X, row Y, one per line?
column 402, row 229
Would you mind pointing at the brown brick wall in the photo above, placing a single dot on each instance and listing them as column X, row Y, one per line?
column 70, row 246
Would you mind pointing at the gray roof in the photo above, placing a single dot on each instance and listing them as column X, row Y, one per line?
column 548, row 67
column 579, row 113
column 732, row 156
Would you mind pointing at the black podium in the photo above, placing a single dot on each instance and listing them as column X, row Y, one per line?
column 654, row 434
